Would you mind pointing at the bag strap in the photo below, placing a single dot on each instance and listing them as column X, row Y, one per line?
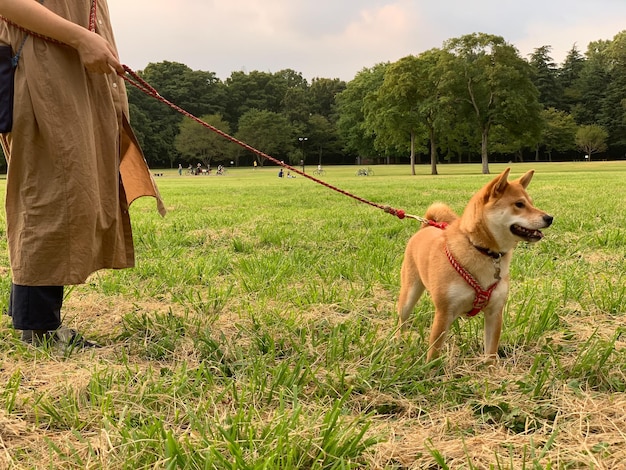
column 16, row 58
column 92, row 27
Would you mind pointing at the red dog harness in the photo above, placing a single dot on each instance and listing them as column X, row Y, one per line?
column 482, row 295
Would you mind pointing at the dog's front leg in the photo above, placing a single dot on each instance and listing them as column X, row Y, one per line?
column 441, row 324
column 493, row 328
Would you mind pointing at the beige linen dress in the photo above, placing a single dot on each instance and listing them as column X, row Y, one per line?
column 74, row 164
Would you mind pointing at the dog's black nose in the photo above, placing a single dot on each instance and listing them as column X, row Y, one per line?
column 548, row 220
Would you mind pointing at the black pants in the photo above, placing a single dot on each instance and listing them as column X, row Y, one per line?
column 36, row 307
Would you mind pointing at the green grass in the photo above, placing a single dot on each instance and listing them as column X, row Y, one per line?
column 258, row 331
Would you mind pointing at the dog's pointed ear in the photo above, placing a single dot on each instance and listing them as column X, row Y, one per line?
column 499, row 184
column 525, row 180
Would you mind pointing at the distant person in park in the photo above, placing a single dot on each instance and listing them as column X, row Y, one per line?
column 74, row 164
column 180, row 169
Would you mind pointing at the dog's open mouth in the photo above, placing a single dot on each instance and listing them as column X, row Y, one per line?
column 527, row 234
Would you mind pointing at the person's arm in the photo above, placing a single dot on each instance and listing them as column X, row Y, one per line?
column 95, row 52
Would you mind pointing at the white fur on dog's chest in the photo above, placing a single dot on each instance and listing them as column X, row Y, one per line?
column 461, row 296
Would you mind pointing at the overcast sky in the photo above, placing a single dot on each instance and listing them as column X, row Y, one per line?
column 338, row 38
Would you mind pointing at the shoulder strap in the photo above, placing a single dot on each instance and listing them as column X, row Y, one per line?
column 92, row 27
column 16, row 58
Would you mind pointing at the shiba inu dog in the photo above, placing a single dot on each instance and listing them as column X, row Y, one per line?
column 464, row 261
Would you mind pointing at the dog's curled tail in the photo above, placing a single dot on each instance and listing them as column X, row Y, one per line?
column 440, row 212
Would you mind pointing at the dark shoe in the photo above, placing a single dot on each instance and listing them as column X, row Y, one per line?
column 37, row 337
column 65, row 337
column 73, row 339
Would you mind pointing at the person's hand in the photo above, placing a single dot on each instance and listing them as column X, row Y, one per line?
column 97, row 55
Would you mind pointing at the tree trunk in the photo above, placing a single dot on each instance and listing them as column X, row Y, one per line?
column 483, row 151
column 433, row 152
column 412, row 153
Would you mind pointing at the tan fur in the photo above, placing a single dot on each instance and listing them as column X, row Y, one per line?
column 486, row 222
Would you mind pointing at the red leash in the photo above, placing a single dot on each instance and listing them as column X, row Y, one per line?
column 146, row 88
column 143, row 86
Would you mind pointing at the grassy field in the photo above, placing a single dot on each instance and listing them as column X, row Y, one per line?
column 257, row 332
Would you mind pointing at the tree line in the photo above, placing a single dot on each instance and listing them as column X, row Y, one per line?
column 475, row 99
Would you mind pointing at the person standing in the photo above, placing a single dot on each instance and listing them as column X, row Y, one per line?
column 74, row 163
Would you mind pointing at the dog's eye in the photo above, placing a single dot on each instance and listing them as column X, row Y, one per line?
column 520, row 205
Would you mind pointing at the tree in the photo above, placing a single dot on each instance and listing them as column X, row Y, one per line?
column 613, row 114
column 140, row 123
column 297, row 106
column 591, row 139
column 391, row 112
column 322, row 136
column 409, row 102
column 295, row 100
column 256, row 90
column 592, row 84
column 545, row 78
column 268, row 132
column 568, row 76
column 323, row 93
column 260, row 90
column 157, row 125
column 358, row 138
column 492, row 85
column 502, row 141
column 601, row 87
column 194, row 141
column 559, row 132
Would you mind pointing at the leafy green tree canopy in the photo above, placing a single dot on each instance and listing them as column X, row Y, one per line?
column 559, row 131
column 591, row 139
column 269, row 132
column 358, row 138
column 195, row 142
column 493, row 85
